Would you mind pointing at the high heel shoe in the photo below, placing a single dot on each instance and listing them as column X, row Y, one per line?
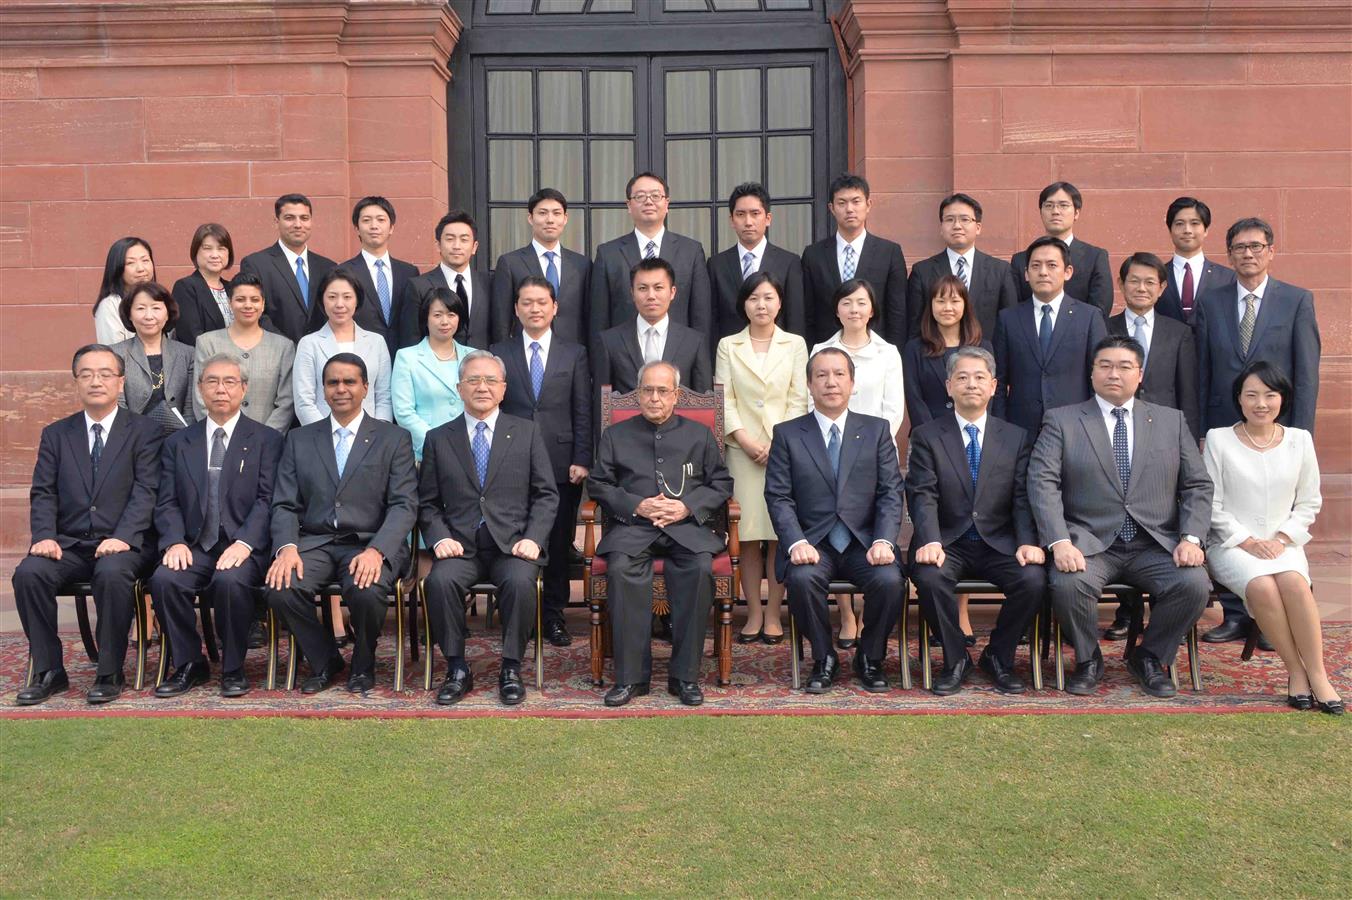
column 1331, row 707
column 1300, row 701
column 749, row 637
column 772, row 638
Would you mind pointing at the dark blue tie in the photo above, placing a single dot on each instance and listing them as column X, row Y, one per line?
column 1044, row 330
column 537, row 370
column 96, row 451
column 383, row 291
column 974, row 466
column 552, row 272
column 840, row 534
column 1123, row 459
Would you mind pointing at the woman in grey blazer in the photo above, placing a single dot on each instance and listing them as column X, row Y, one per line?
column 159, row 379
column 265, row 357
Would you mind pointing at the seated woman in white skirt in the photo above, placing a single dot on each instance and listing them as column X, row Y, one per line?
column 1266, row 498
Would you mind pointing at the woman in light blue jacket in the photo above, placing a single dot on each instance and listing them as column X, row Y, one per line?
column 423, row 387
column 340, row 295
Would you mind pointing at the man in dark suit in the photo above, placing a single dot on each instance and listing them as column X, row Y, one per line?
column 213, row 516
column 90, row 510
column 1120, row 493
column 854, row 252
column 833, row 488
column 749, row 212
column 569, row 273
column 1255, row 318
column 345, row 500
column 615, row 259
column 968, row 494
column 384, row 278
column 660, row 480
column 1191, row 274
column 457, row 240
column 548, row 382
column 290, row 272
column 654, row 335
column 1043, row 349
column 1059, row 205
column 487, row 502
column 990, row 281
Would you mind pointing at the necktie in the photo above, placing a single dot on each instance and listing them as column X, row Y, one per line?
column 1141, row 336
column 464, row 298
column 211, row 528
column 840, row 534
column 962, row 271
column 1044, row 330
column 479, row 447
column 847, row 270
column 340, row 452
column 303, row 281
column 1188, row 289
column 748, row 260
column 383, row 290
column 650, row 250
column 650, row 353
column 1123, row 460
column 96, row 451
column 1246, row 323
column 552, row 271
column 537, row 370
column 974, row 466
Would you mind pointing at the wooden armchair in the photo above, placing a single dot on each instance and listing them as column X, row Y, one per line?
column 708, row 410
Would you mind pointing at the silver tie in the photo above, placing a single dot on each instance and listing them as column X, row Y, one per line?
column 650, row 352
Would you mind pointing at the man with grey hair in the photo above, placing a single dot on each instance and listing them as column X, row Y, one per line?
column 968, row 495
column 661, row 481
column 213, row 517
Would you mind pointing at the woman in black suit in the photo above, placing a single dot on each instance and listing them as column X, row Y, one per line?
column 204, row 296
column 949, row 323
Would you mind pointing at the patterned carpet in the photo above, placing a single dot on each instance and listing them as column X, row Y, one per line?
column 761, row 685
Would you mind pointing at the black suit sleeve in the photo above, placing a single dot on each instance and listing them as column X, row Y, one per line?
column 895, row 317
column 408, row 331
column 599, row 299
column 286, row 497
column 544, row 493
column 922, row 492
column 1185, row 386
column 708, row 496
column 1025, row 528
column 44, row 495
column 499, row 321
column 431, row 522
column 700, row 301
column 603, row 485
column 911, row 361
column 190, row 323
column 168, row 514
column 502, row 302
column 582, row 412
column 1305, row 348
column 401, row 498
column 138, row 515
column 1001, row 353
column 887, row 497
column 1101, row 284
column 1009, row 290
column 794, row 300
column 701, row 370
column 915, row 303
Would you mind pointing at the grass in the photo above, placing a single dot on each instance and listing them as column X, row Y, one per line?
column 1255, row 805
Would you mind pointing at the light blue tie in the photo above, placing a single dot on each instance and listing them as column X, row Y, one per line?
column 552, row 272
column 748, row 260
column 1141, row 337
column 340, row 452
column 974, row 466
column 479, row 447
column 847, row 271
column 840, row 534
column 537, row 370
column 303, row 281
column 383, row 289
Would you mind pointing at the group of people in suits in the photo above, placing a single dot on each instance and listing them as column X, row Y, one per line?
column 409, row 393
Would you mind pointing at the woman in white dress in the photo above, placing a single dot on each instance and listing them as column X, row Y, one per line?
column 878, row 385
column 341, row 295
column 1266, row 497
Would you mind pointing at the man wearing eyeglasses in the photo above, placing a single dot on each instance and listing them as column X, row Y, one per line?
column 648, row 197
column 1059, row 204
column 990, row 281
column 90, row 510
column 660, row 480
column 213, row 517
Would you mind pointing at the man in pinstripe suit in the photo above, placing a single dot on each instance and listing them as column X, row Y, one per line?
column 1119, row 493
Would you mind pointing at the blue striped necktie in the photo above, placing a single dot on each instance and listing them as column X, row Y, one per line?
column 974, row 466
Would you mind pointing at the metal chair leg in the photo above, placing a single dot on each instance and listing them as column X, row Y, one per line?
column 795, row 652
column 1034, row 650
column 539, row 632
column 272, row 649
column 1194, row 659
column 28, row 673
column 164, row 659
column 1060, row 654
column 142, row 635
column 903, row 644
column 926, row 669
column 208, row 629
column 427, row 637
column 399, row 637
column 290, row 661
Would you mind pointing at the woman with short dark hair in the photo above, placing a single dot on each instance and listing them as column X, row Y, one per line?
column 159, row 381
column 423, row 385
column 204, row 296
column 130, row 262
column 266, row 357
column 339, row 295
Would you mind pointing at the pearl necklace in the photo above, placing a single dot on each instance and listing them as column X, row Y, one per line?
column 1258, row 446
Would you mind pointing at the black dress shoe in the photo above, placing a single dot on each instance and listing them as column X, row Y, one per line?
column 557, row 634
column 662, row 628
column 688, row 691
column 1229, row 630
column 361, row 684
column 1003, row 677
column 1085, row 679
column 1117, row 631
column 323, row 679
column 106, row 689
column 1300, row 701
column 847, row 643
column 751, row 638
column 510, row 689
column 968, row 640
column 52, row 681
column 258, row 638
column 870, row 674
column 1264, row 644
column 951, row 678
column 184, row 679
column 823, row 674
column 234, row 684
column 1331, row 707
column 1148, row 671
column 767, row 638
column 621, row 694
column 457, row 684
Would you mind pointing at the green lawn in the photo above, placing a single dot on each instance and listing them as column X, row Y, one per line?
column 1258, row 805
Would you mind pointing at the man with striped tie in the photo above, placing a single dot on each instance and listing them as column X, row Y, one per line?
column 383, row 277
column 749, row 213
column 545, row 257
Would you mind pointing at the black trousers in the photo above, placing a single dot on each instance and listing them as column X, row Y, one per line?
column 37, row 579
column 232, row 601
column 882, row 585
column 1024, row 587
column 450, row 579
column 324, row 565
column 690, row 590
column 557, row 585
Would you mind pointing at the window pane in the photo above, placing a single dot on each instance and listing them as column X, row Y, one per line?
column 788, row 4
column 509, row 230
column 612, row 102
column 790, row 166
column 688, row 169
column 790, row 97
column 739, row 100
column 607, row 224
column 739, row 160
column 736, row 5
column 612, row 162
column 687, row 102
column 726, row 238
column 561, row 102
column 508, row 6
column 792, row 228
column 509, row 99
column 692, row 222
column 511, row 171
column 611, row 6
column 561, row 6
column 561, row 167
column 686, row 6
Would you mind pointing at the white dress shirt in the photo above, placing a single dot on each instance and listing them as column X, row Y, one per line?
column 1242, row 292
column 106, row 422
column 449, row 274
column 229, row 427
column 491, row 420
column 825, row 424
column 841, row 244
column 352, row 428
column 303, row 256
column 643, row 240
column 544, row 341
column 540, row 251
column 643, row 326
column 969, row 257
column 389, row 274
column 980, row 430
column 1181, row 263
column 1129, row 319
column 1054, row 303
column 757, row 255
column 1110, row 422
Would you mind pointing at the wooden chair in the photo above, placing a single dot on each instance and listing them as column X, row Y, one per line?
column 81, row 591
column 970, row 587
column 850, row 588
column 706, row 409
column 489, row 590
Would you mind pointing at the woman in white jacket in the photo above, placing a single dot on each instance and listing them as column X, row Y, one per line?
column 340, row 294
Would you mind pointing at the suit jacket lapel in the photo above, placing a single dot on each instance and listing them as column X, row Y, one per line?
column 850, row 444
column 1142, row 426
column 631, row 251
column 816, row 447
column 289, row 277
column 1230, row 313
column 196, row 458
column 740, row 344
column 358, row 267
column 1063, row 324
column 1092, row 420
column 138, row 356
column 533, row 261
column 77, row 441
column 518, row 367
column 460, row 446
column 112, row 447
column 361, row 443
column 326, row 451
column 1267, row 311
column 498, row 450
column 428, row 360
column 630, row 337
column 779, row 354
column 956, row 445
column 1028, row 319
